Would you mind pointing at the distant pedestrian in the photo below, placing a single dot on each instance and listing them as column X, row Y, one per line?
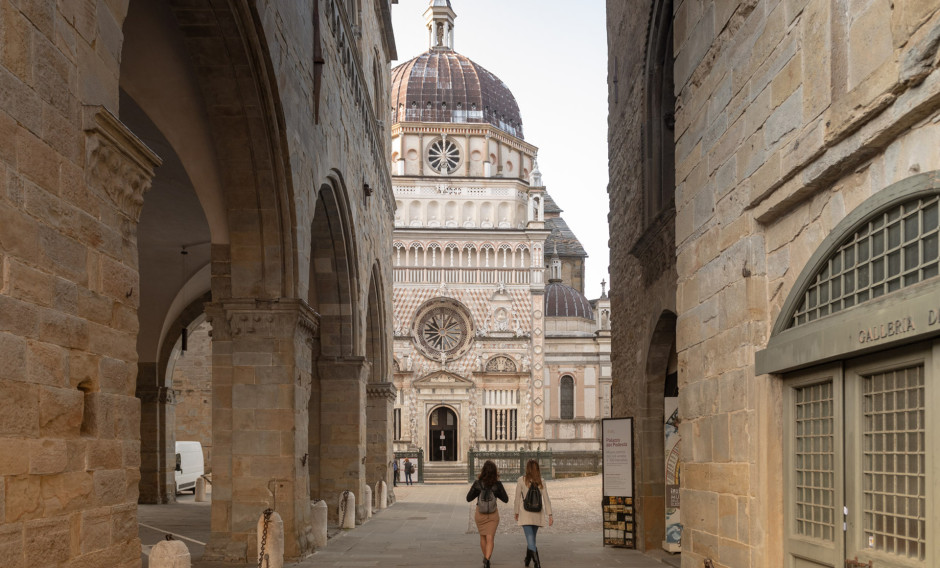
column 394, row 473
column 409, row 469
column 532, row 507
column 486, row 490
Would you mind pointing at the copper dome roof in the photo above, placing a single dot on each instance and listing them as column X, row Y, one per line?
column 563, row 301
column 444, row 86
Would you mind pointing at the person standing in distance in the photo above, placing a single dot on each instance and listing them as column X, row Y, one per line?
column 409, row 469
column 529, row 520
column 486, row 489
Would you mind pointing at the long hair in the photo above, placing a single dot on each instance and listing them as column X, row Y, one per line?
column 488, row 474
column 533, row 475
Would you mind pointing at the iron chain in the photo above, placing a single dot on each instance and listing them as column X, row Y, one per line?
column 264, row 538
column 342, row 508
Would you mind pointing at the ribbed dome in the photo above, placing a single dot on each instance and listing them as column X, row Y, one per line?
column 444, row 86
column 562, row 301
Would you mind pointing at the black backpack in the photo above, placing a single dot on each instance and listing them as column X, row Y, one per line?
column 486, row 502
column 533, row 500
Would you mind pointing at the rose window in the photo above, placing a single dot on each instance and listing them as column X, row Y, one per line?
column 442, row 331
column 443, row 328
column 444, row 156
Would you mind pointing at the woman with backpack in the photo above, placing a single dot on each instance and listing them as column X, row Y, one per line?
column 532, row 506
column 486, row 490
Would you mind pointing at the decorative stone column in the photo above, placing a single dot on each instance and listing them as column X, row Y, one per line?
column 539, row 409
column 261, row 376
column 157, row 438
column 342, row 443
column 379, row 417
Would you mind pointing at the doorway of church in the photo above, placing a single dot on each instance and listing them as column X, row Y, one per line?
column 442, row 435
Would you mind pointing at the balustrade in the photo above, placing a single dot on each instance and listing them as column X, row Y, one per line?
column 455, row 275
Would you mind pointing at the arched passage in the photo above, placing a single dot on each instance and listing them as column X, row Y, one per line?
column 661, row 374
column 200, row 77
column 380, row 390
column 337, row 441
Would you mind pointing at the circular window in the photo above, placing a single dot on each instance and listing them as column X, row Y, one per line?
column 443, row 328
column 444, row 156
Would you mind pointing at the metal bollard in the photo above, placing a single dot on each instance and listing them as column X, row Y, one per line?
column 200, row 489
column 347, row 510
column 271, row 540
column 381, row 495
column 367, row 501
column 170, row 554
column 318, row 514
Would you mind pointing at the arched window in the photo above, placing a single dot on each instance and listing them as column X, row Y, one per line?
column 660, row 114
column 566, row 398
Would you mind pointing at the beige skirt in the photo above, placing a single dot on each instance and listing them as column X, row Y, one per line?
column 486, row 524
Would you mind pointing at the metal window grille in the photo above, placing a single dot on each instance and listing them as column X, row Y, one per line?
column 894, row 250
column 501, row 424
column 566, row 398
column 815, row 461
column 894, row 463
column 500, row 414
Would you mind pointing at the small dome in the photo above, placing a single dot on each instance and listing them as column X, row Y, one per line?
column 444, row 86
column 562, row 301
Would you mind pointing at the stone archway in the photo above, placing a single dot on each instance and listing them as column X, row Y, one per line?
column 337, row 431
column 443, row 434
column 200, row 75
column 650, row 455
column 380, row 390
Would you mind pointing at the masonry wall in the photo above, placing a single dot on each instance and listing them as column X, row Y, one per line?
column 192, row 379
column 789, row 115
column 73, row 179
column 643, row 269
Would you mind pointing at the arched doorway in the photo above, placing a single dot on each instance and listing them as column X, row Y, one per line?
column 442, row 435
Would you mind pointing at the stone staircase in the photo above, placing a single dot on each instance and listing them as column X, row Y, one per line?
column 452, row 473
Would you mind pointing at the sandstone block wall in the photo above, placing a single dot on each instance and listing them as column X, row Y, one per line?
column 789, row 114
column 73, row 180
column 192, row 379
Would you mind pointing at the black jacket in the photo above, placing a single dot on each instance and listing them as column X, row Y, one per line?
column 498, row 491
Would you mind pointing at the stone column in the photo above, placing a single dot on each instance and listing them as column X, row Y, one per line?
column 379, row 416
column 261, row 376
column 157, row 438
column 342, row 443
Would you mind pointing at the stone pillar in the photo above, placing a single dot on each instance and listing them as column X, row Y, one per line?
column 318, row 510
column 342, row 442
column 201, row 490
column 170, row 554
column 367, row 502
column 261, row 375
column 157, row 438
column 379, row 417
column 381, row 495
column 270, row 535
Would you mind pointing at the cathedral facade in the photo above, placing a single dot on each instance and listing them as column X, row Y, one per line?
column 493, row 351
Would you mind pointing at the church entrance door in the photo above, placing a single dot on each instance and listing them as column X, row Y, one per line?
column 442, row 435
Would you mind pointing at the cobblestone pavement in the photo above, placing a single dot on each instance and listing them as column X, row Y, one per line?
column 431, row 525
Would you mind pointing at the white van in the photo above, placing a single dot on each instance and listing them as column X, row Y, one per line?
column 189, row 465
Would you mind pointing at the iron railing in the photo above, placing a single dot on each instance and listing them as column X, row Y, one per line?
column 510, row 464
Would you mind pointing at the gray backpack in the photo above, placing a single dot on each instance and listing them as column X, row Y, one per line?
column 486, row 502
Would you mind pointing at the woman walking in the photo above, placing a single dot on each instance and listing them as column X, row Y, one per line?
column 532, row 510
column 486, row 490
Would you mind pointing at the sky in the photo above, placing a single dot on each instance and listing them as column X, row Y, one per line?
column 553, row 57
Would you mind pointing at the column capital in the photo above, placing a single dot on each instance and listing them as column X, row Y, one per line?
column 381, row 390
column 117, row 162
column 249, row 317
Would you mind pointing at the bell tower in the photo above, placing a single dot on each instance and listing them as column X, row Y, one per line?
column 439, row 18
